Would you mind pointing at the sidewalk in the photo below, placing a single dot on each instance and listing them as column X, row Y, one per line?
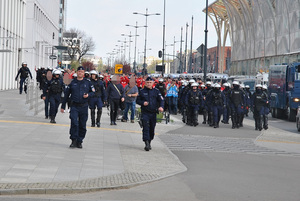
column 36, row 158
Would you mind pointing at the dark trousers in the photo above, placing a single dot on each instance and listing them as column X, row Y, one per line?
column 46, row 101
column 22, row 82
column 217, row 112
column 149, row 123
column 114, row 106
column 78, row 116
column 54, row 101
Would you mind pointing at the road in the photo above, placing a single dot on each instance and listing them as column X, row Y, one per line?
column 223, row 164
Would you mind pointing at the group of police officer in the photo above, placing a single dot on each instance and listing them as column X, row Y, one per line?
column 230, row 102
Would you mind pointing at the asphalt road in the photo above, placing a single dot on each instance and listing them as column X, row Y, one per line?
column 223, row 164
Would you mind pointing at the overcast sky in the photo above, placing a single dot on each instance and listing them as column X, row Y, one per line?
column 105, row 21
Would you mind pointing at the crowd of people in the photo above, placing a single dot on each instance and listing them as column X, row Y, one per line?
column 188, row 97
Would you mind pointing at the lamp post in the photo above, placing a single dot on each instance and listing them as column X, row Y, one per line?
column 205, row 46
column 124, row 45
column 146, row 27
column 174, row 53
column 129, row 59
column 167, row 45
column 136, row 27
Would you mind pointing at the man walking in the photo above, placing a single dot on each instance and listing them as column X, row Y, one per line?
column 78, row 90
column 150, row 100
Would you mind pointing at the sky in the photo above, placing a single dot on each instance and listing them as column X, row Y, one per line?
column 105, row 20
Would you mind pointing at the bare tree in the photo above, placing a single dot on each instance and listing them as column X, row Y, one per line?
column 79, row 44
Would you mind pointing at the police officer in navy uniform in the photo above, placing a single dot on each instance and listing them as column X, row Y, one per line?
column 217, row 100
column 194, row 102
column 24, row 72
column 98, row 99
column 54, row 89
column 237, row 104
column 78, row 90
column 260, row 101
column 226, row 109
column 150, row 100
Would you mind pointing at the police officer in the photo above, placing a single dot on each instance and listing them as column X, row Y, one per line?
column 24, row 73
column 207, row 111
column 266, row 107
column 237, row 103
column 248, row 99
column 150, row 100
column 260, row 99
column 54, row 89
column 97, row 99
column 161, row 87
column 226, row 109
column 181, row 99
column 194, row 101
column 217, row 100
column 79, row 90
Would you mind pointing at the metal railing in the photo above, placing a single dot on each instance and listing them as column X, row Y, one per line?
column 33, row 98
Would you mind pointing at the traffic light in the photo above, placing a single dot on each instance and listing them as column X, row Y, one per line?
column 160, row 54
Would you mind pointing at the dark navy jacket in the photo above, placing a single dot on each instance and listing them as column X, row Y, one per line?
column 153, row 97
column 113, row 93
column 77, row 89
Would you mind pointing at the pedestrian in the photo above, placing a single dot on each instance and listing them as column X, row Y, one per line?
column 151, row 102
column 172, row 96
column 78, row 90
column 97, row 100
column 53, row 90
column 115, row 94
column 24, row 73
column 131, row 93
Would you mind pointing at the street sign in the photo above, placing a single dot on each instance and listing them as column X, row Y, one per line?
column 52, row 57
column 118, row 69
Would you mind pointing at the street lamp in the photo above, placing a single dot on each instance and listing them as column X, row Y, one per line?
column 129, row 45
column 146, row 26
column 205, row 47
column 136, row 27
column 168, row 45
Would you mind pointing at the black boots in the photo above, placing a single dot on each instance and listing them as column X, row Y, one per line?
column 265, row 118
column 147, row 145
column 75, row 144
column 52, row 121
column 99, row 113
column 93, row 117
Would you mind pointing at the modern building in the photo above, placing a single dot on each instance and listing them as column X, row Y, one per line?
column 29, row 30
column 12, row 34
column 262, row 32
column 42, row 33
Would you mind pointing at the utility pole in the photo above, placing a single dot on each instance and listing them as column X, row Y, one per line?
column 205, row 48
column 191, row 53
column 186, row 37
column 180, row 62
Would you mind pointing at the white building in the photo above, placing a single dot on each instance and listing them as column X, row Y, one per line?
column 42, row 33
column 12, row 33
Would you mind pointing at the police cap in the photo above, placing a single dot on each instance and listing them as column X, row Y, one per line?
column 80, row 68
column 149, row 79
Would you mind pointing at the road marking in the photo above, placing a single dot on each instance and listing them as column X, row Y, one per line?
column 67, row 125
column 275, row 141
